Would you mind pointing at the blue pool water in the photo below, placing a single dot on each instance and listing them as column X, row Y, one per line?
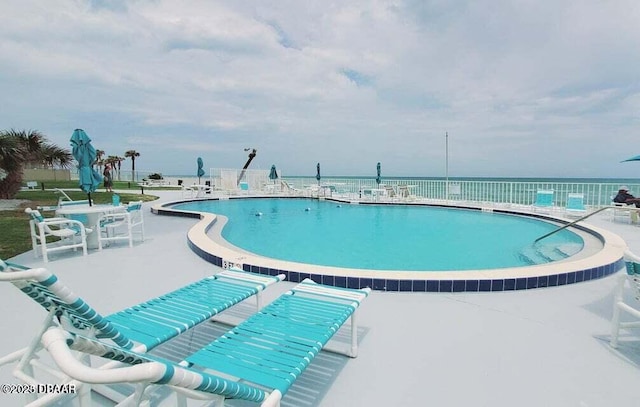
column 386, row 237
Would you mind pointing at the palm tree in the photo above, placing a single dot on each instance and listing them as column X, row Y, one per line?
column 120, row 160
column 53, row 155
column 132, row 154
column 21, row 148
column 12, row 159
column 99, row 162
column 112, row 159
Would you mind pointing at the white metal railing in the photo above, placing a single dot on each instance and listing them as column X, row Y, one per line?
column 496, row 192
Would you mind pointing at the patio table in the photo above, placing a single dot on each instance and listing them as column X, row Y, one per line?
column 89, row 217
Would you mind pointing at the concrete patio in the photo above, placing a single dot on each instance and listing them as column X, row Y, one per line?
column 542, row 347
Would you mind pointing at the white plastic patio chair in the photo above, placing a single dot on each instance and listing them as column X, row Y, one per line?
column 188, row 191
column 122, row 225
column 632, row 276
column 70, row 234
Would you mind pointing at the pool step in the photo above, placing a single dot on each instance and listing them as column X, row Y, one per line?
column 541, row 254
column 569, row 249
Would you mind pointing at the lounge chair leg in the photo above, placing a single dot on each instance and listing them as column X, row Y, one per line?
column 28, row 371
column 84, row 395
column 273, row 400
column 354, row 335
column 138, row 397
column 24, row 370
column 182, row 400
column 615, row 322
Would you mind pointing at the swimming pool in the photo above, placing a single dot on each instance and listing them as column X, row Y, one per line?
column 385, row 237
column 601, row 255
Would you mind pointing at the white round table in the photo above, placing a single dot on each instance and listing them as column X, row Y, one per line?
column 92, row 214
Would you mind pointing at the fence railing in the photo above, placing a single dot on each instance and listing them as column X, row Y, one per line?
column 497, row 192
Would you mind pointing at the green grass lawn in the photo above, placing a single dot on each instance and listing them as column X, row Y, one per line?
column 14, row 224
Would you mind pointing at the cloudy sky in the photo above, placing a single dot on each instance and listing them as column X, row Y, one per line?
column 523, row 88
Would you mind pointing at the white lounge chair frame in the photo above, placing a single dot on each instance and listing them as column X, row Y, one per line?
column 628, row 213
column 167, row 316
column 632, row 276
column 266, row 353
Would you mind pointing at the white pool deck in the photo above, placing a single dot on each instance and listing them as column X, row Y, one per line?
column 542, row 347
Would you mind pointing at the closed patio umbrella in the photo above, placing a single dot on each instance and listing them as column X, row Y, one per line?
column 318, row 173
column 85, row 155
column 378, row 178
column 273, row 175
column 636, row 158
column 200, row 170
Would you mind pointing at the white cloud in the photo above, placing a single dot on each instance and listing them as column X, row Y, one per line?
column 347, row 84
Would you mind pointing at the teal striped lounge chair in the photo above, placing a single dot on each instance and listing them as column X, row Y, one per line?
column 264, row 355
column 140, row 327
column 632, row 276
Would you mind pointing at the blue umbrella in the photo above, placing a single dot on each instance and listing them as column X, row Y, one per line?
column 636, row 158
column 318, row 173
column 378, row 178
column 85, row 154
column 200, row 170
column 273, row 175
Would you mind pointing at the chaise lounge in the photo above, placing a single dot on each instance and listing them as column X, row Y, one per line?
column 141, row 327
column 256, row 361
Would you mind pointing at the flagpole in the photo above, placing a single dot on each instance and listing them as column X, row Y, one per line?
column 446, row 165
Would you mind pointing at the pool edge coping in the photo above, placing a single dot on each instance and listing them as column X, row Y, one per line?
column 603, row 263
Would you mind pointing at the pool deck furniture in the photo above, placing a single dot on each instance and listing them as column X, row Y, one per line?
column 625, row 213
column 543, row 202
column 89, row 216
column 71, row 234
column 187, row 191
column 575, row 205
column 630, row 306
column 201, row 190
column 141, row 327
column 265, row 354
column 154, row 183
column 373, row 194
column 113, row 227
